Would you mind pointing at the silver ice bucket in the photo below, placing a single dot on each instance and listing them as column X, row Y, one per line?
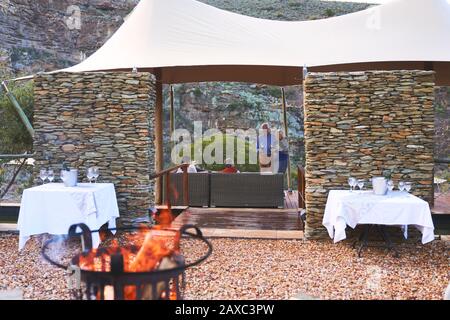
column 70, row 178
column 379, row 186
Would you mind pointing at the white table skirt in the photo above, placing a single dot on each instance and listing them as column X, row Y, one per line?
column 395, row 209
column 52, row 208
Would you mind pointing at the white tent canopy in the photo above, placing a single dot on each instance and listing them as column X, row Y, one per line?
column 187, row 41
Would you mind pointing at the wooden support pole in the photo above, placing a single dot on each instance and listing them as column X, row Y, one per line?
column 286, row 134
column 167, row 191
column 172, row 112
column 159, row 151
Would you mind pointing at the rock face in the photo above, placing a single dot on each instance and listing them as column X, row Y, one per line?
column 362, row 123
column 43, row 35
column 99, row 119
column 442, row 124
column 289, row 10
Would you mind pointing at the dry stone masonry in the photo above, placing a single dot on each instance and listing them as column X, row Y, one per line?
column 361, row 124
column 101, row 119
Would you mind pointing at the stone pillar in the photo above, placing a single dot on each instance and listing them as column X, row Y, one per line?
column 99, row 119
column 361, row 124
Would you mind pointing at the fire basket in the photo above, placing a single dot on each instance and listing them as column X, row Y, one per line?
column 117, row 272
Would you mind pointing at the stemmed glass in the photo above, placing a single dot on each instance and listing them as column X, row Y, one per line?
column 90, row 174
column 50, row 175
column 408, row 186
column 401, row 186
column 96, row 173
column 43, row 175
column 390, row 185
column 360, row 185
column 351, row 183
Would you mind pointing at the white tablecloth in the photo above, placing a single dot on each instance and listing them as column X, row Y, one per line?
column 396, row 208
column 53, row 208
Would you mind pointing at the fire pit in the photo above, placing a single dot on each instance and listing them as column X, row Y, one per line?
column 150, row 271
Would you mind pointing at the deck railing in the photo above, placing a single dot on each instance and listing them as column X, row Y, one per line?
column 24, row 157
column 166, row 173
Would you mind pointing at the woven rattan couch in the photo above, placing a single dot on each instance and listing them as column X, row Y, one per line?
column 240, row 190
column 249, row 189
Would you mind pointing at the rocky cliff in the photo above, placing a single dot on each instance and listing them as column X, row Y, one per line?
column 42, row 35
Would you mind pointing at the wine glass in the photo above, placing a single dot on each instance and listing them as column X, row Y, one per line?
column 390, row 185
column 360, row 185
column 90, row 174
column 95, row 173
column 351, row 183
column 43, row 175
column 401, row 186
column 50, row 175
column 408, row 186
column 354, row 183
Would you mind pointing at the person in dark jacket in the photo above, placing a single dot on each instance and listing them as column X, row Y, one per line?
column 283, row 152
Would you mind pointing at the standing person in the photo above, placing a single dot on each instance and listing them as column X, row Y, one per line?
column 264, row 146
column 283, row 152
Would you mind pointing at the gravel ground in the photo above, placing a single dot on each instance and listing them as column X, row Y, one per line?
column 265, row 269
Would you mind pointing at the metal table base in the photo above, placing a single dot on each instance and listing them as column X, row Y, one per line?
column 362, row 241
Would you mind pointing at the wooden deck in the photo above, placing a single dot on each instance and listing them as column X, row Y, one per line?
column 291, row 200
column 286, row 219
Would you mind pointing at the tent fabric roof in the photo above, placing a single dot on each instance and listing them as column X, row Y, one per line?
column 186, row 41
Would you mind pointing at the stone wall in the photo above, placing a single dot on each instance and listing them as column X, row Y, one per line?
column 101, row 119
column 361, row 124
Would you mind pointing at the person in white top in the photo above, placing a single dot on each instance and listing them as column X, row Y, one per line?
column 264, row 148
column 191, row 168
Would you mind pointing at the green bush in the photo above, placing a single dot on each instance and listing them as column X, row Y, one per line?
column 330, row 12
column 274, row 92
column 247, row 167
column 197, row 92
column 14, row 136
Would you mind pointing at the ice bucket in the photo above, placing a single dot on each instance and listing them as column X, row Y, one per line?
column 70, row 177
column 379, row 185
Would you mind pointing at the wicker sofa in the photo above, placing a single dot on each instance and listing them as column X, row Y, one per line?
column 241, row 190
column 249, row 189
column 198, row 189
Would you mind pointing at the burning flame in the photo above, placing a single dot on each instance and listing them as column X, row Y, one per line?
column 153, row 254
column 164, row 219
